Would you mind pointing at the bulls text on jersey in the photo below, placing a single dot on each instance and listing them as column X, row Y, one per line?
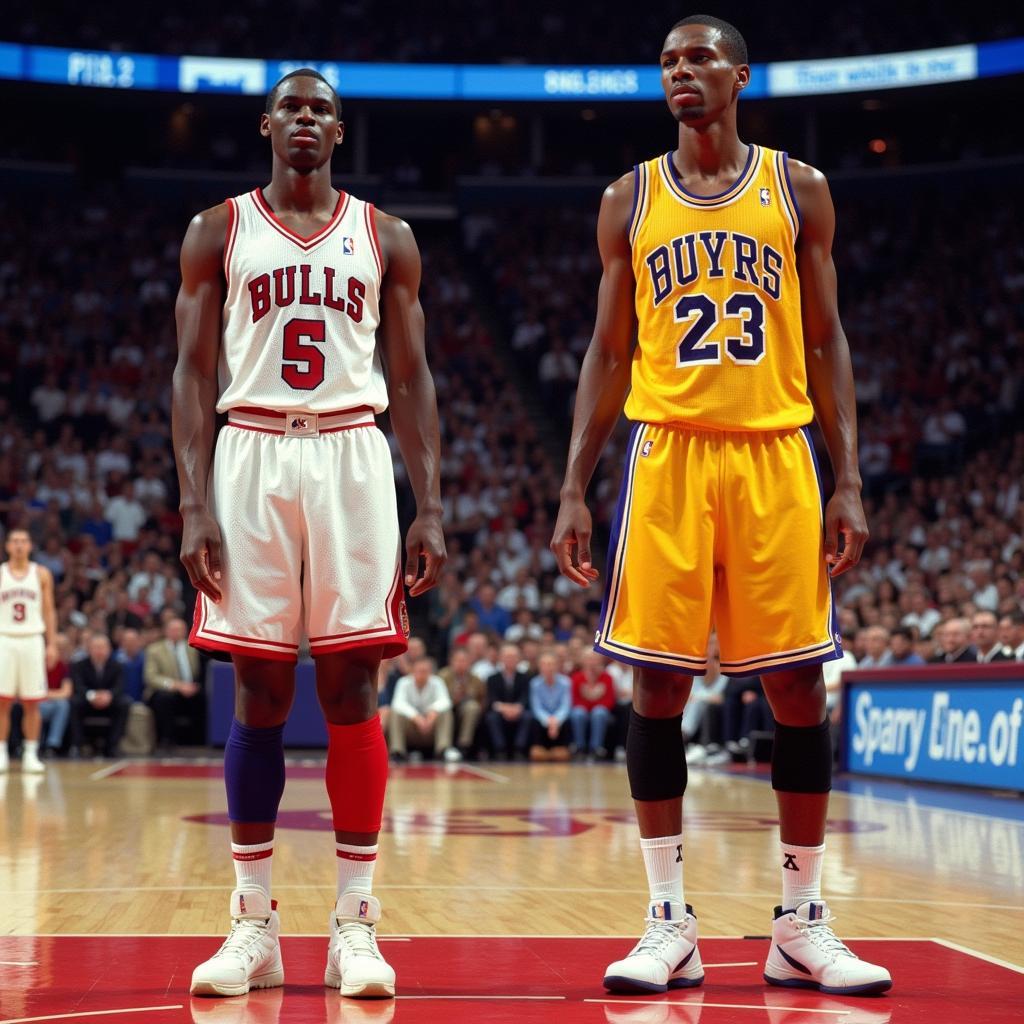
column 307, row 286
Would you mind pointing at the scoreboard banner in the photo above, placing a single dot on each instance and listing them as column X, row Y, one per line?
column 940, row 723
column 249, row 77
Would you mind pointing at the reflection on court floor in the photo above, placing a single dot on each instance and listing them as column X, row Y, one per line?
column 144, row 980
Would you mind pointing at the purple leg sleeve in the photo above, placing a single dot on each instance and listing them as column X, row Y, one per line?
column 254, row 772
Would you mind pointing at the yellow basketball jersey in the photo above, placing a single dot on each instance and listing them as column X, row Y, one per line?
column 718, row 300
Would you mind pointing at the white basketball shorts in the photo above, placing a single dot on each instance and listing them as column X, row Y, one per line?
column 310, row 540
column 23, row 667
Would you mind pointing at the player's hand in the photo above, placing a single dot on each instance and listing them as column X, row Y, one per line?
column 51, row 655
column 201, row 552
column 425, row 541
column 844, row 514
column 571, row 542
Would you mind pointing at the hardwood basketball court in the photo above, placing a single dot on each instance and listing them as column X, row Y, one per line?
column 506, row 890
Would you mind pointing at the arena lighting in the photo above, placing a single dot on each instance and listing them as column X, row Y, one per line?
column 499, row 82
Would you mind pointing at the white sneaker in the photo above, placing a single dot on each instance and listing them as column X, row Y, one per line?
column 805, row 953
column 666, row 957
column 251, row 954
column 453, row 755
column 30, row 763
column 354, row 963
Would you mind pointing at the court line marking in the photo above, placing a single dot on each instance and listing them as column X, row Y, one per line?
column 1019, row 907
column 745, row 963
column 483, row 773
column 91, row 1013
column 981, row 956
column 19, row 963
column 411, row 938
column 102, row 773
column 474, row 998
column 719, row 1006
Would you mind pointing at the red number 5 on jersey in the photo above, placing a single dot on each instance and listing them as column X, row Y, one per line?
column 302, row 362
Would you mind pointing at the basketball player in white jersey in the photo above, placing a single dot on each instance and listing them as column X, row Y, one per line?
column 294, row 298
column 28, row 647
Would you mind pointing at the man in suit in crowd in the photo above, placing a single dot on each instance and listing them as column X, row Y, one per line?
column 953, row 637
column 985, row 637
column 98, row 693
column 508, row 700
column 172, row 682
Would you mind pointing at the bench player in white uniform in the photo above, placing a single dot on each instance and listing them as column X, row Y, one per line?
column 28, row 630
column 293, row 299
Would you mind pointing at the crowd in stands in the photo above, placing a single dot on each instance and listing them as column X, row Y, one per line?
column 87, row 349
column 475, row 31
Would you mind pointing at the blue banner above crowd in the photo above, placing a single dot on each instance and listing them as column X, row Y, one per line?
column 498, row 82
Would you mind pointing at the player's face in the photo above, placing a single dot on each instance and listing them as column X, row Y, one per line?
column 303, row 126
column 18, row 546
column 698, row 79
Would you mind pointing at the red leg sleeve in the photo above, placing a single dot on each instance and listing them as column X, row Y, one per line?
column 357, row 775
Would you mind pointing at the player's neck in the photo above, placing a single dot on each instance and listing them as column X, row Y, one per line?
column 292, row 191
column 712, row 149
column 19, row 568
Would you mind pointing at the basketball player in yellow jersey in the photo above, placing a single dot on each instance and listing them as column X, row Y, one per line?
column 717, row 257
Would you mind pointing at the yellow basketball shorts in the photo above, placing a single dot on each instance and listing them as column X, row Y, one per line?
column 718, row 531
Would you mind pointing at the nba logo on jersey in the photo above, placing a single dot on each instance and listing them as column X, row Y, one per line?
column 348, row 245
column 766, row 197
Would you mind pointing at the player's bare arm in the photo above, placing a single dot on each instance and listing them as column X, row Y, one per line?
column 829, row 370
column 194, row 392
column 412, row 400
column 49, row 614
column 604, row 381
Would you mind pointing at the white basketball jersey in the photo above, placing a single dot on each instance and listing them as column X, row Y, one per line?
column 21, row 602
column 301, row 314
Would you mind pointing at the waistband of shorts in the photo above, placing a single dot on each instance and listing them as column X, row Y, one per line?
column 300, row 424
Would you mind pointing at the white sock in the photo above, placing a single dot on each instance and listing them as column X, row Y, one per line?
column 253, row 863
column 355, row 867
column 31, row 747
column 801, row 874
column 663, row 858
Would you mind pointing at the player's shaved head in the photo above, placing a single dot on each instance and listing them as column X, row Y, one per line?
column 734, row 46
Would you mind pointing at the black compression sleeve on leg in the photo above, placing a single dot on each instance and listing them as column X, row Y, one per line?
column 655, row 757
column 802, row 758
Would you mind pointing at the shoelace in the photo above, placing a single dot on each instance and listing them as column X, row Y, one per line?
column 360, row 938
column 657, row 936
column 821, row 935
column 243, row 934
